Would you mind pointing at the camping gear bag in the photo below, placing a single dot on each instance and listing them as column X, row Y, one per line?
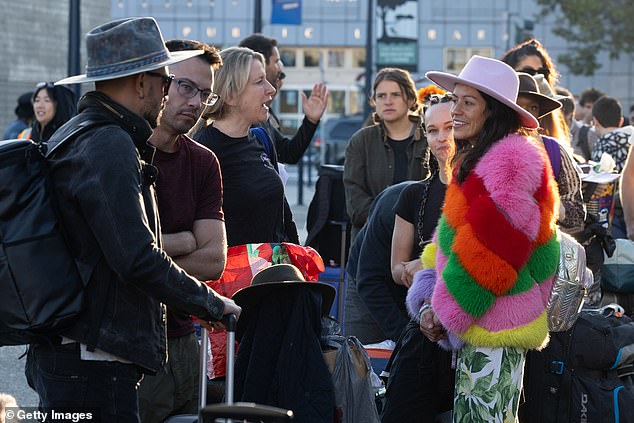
column 585, row 373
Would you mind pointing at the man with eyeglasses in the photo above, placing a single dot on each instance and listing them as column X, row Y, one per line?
column 189, row 193
column 103, row 182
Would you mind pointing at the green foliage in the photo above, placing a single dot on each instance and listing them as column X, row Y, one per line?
column 591, row 26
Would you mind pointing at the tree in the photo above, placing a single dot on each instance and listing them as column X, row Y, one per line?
column 385, row 6
column 591, row 26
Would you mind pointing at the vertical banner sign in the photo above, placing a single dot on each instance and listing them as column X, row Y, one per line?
column 397, row 34
column 286, row 12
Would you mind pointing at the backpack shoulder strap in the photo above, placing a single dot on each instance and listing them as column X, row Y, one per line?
column 554, row 154
column 73, row 128
column 263, row 137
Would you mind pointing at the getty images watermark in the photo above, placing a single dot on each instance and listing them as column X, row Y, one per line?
column 33, row 414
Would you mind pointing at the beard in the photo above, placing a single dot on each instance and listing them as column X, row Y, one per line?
column 153, row 112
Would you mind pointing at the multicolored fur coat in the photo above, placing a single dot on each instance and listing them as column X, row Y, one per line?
column 497, row 250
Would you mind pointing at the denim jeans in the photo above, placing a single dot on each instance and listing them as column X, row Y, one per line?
column 65, row 383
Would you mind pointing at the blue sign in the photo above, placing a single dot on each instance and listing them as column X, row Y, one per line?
column 287, row 12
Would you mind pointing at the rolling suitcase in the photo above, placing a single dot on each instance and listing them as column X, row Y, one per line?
column 229, row 411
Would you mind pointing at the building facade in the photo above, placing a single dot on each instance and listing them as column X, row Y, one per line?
column 35, row 45
column 329, row 44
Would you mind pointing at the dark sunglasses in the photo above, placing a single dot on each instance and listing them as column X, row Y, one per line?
column 533, row 72
column 41, row 85
column 167, row 80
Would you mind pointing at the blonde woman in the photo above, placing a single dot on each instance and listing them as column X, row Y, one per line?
column 254, row 203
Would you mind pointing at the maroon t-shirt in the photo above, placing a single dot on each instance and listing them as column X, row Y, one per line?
column 188, row 188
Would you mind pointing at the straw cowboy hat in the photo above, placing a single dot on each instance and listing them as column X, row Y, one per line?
column 126, row 47
column 529, row 88
column 276, row 277
column 491, row 77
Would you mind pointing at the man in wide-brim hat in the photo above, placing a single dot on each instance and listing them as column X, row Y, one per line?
column 103, row 181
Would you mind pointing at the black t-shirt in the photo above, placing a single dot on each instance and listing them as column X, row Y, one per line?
column 400, row 159
column 408, row 209
column 253, row 192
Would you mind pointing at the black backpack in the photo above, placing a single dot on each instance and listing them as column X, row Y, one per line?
column 41, row 286
column 585, row 373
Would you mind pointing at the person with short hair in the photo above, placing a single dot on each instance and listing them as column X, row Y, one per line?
column 614, row 139
column 24, row 113
column 104, row 184
column 189, row 195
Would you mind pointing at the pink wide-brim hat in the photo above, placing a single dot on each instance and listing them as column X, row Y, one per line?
column 492, row 77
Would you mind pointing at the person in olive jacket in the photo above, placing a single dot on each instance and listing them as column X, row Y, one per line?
column 392, row 150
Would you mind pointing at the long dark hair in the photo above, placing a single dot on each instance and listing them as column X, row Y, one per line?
column 501, row 121
column 65, row 109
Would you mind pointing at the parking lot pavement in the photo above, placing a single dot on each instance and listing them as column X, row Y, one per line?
column 12, row 379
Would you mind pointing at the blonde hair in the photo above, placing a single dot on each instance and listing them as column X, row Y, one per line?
column 6, row 401
column 233, row 77
column 230, row 80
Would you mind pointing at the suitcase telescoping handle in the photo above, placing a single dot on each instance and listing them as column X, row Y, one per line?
column 202, row 388
column 230, row 322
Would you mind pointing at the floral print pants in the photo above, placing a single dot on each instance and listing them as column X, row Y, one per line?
column 488, row 384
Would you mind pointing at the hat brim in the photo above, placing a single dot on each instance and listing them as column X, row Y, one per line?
column 546, row 104
column 448, row 81
column 177, row 56
column 249, row 297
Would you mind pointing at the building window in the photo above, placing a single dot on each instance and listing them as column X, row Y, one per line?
column 457, row 57
column 358, row 57
column 288, row 101
column 311, row 58
column 288, row 57
column 337, row 102
column 336, row 58
column 355, row 103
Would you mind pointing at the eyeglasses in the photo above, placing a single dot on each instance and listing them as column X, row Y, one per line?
column 167, row 80
column 533, row 72
column 189, row 90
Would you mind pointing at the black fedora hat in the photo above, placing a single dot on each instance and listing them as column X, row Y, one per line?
column 278, row 276
column 528, row 87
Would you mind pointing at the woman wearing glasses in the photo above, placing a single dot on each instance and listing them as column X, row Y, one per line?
column 532, row 58
column 254, row 203
column 53, row 106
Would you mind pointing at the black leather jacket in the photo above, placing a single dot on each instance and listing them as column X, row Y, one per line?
column 104, row 188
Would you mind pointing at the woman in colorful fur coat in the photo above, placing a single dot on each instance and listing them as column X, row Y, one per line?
column 496, row 249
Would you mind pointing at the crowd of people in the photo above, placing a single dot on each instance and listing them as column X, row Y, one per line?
column 455, row 200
